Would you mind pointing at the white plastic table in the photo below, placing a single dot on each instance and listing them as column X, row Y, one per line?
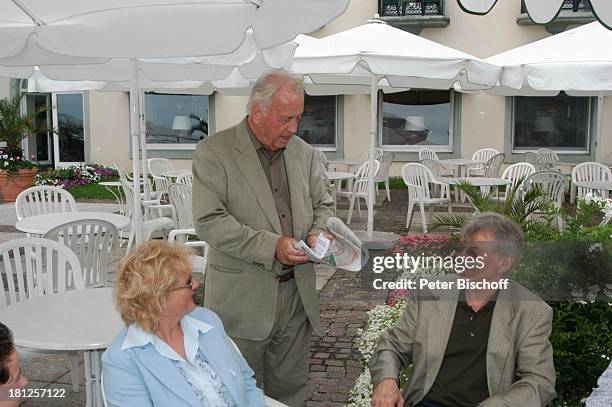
column 461, row 165
column 602, row 186
column 41, row 224
column 113, row 186
column 334, row 177
column 350, row 164
column 174, row 174
column 80, row 320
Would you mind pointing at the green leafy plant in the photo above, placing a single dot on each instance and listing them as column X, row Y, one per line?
column 15, row 127
column 517, row 206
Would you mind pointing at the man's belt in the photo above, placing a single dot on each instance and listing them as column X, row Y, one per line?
column 283, row 278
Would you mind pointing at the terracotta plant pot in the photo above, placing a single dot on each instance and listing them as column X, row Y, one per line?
column 11, row 185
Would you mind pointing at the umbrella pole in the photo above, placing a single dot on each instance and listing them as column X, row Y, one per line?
column 143, row 142
column 598, row 124
column 373, row 132
column 134, row 134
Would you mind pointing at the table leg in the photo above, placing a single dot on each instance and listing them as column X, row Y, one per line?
column 88, row 379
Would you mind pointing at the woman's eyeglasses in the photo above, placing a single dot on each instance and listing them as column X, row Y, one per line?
column 188, row 284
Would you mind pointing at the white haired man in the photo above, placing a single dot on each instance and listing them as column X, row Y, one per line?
column 471, row 347
column 257, row 190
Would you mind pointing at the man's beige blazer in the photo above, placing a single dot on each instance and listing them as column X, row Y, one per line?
column 520, row 370
column 234, row 211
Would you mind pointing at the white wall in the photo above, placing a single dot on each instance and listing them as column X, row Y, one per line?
column 4, row 87
column 109, row 128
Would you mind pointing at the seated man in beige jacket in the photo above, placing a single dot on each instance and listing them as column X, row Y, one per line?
column 471, row 347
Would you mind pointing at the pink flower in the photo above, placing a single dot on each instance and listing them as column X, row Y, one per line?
column 17, row 158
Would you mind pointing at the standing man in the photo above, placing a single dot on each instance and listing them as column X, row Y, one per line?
column 472, row 347
column 258, row 190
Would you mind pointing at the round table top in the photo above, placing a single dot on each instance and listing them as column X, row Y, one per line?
column 110, row 183
column 175, row 173
column 477, row 181
column 75, row 320
column 338, row 175
column 595, row 184
column 460, row 161
column 41, row 224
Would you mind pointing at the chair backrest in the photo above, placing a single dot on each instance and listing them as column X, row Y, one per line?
column 591, row 171
column 378, row 152
column 385, row 165
column 428, row 153
column 484, row 154
column 323, row 158
column 128, row 193
column 157, row 166
column 121, row 172
column 550, row 182
column 417, row 177
column 181, row 197
column 491, row 168
column 91, row 240
column 516, row 173
column 186, row 179
column 436, row 167
column 43, row 199
column 363, row 175
column 548, row 155
column 36, row 266
column 536, row 160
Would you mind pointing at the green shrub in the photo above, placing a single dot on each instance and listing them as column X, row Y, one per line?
column 582, row 340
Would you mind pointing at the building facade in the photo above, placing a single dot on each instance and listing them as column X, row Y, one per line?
column 93, row 126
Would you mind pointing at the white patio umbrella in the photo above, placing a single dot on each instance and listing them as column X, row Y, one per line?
column 90, row 33
column 578, row 62
column 542, row 11
column 376, row 54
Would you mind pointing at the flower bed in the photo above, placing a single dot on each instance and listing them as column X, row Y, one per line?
column 75, row 176
column 12, row 164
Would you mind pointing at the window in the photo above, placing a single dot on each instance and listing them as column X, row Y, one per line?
column 176, row 120
column 417, row 118
column 318, row 124
column 559, row 122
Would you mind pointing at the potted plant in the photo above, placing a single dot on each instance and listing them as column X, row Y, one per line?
column 16, row 171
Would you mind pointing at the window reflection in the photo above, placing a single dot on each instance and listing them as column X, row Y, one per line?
column 71, row 133
column 318, row 124
column 416, row 118
column 176, row 119
column 559, row 122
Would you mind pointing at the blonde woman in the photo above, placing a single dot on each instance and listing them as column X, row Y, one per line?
column 171, row 353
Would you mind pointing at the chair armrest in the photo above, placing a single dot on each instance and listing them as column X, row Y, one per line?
column 155, row 205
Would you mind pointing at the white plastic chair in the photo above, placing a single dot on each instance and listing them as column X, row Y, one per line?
column 439, row 171
column 123, row 175
column 491, row 168
column 91, row 240
column 549, row 157
column 516, row 174
column 484, row 154
column 428, row 154
column 536, row 160
column 153, row 218
column 550, row 182
column 590, row 171
column 185, row 179
column 418, row 178
column 34, row 267
column 360, row 187
column 365, row 156
column 42, row 200
column 157, row 166
column 383, row 172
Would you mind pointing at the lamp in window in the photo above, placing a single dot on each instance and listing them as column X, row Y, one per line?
column 183, row 125
column 546, row 126
column 415, row 130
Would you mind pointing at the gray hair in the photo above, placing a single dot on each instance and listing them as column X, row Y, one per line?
column 265, row 87
column 508, row 235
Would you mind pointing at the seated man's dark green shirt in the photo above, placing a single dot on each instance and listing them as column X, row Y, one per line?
column 462, row 378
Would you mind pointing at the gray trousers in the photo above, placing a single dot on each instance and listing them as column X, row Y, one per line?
column 280, row 361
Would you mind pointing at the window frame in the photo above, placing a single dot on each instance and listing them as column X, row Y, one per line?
column 337, row 126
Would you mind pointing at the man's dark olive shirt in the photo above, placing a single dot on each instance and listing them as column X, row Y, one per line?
column 273, row 164
column 462, row 378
